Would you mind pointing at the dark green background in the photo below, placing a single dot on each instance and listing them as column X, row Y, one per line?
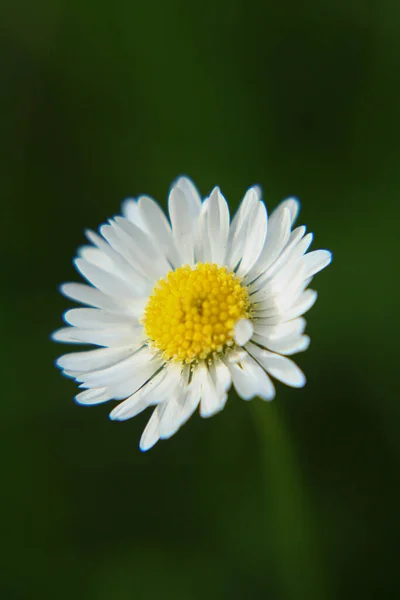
column 288, row 500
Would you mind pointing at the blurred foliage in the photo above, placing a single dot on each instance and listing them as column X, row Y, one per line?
column 294, row 499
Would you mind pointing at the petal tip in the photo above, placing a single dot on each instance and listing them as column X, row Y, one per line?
column 144, row 446
column 293, row 205
column 258, row 191
column 113, row 416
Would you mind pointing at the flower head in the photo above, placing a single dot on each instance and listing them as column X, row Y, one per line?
column 184, row 308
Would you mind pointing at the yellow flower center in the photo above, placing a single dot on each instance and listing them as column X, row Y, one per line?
column 191, row 314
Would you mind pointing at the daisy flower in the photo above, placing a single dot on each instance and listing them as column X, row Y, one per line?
column 184, row 308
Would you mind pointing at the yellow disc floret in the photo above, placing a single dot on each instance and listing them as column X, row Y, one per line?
column 191, row 314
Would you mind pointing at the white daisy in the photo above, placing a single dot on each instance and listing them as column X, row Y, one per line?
column 184, row 308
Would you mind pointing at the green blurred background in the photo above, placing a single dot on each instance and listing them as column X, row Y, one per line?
column 293, row 499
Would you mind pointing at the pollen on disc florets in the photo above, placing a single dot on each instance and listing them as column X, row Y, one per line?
column 191, row 314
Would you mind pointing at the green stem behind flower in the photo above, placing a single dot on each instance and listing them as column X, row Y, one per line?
column 289, row 524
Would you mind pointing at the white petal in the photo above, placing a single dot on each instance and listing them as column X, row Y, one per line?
column 72, row 374
column 136, row 247
column 123, row 389
column 132, row 406
column 282, row 259
column 302, row 305
column 210, row 401
column 155, row 391
column 151, row 434
column 293, row 205
column 254, row 239
column 301, row 247
column 191, row 401
column 286, row 338
column 289, row 345
column 140, row 400
column 218, row 226
column 184, row 220
column 202, row 247
column 125, row 386
column 94, row 359
column 243, row 331
column 221, row 376
column 80, row 292
column 121, row 336
column 239, row 228
column 94, row 318
column 106, row 282
column 97, row 257
column 130, row 210
column 251, row 380
column 159, row 229
column 167, row 416
column 286, row 371
column 272, row 320
column 170, row 418
column 181, row 404
column 316, row 261
column 235, row 356
column 280, row 367
column 277, row 332
column 284, row 283
column 191, row 194
column 122, row 370
column 285, row 297
column 178, row 408
column 277, row 238
column 279, row 294
column 258, row 191
column 117, row 265
column 94, row 396
column 176, row 375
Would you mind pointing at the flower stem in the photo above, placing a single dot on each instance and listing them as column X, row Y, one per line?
column 290, row 528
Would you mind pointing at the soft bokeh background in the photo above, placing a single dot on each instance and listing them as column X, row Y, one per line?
column 293, row 499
